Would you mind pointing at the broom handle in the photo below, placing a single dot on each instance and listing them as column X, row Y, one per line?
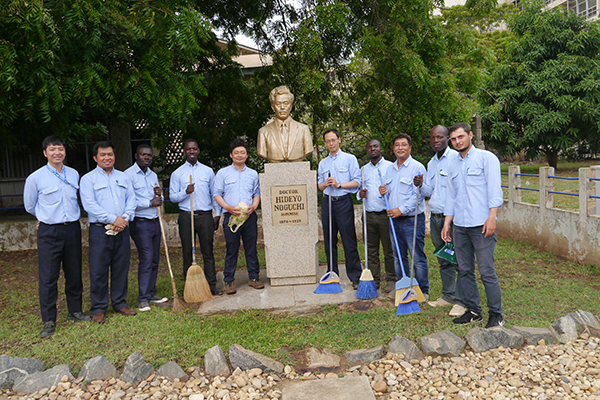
column 414, row 243
column 164, row 238
column 330, row 237
column 364, row 220
column 387, row 205
column 192, row 218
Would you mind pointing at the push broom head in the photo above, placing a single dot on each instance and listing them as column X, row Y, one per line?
column 366, row 287
column 196, row 288
column 403, row 285
column 329, row 283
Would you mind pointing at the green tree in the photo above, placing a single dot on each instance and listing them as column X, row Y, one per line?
column 545, row 97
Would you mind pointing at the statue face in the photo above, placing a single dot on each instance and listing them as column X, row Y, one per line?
column 282, row 106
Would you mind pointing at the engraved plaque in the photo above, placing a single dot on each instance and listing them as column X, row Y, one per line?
column 289, row 205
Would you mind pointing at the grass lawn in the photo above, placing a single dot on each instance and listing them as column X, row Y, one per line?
column 537, row 289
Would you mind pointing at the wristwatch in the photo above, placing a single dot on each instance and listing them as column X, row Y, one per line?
column 339, row 185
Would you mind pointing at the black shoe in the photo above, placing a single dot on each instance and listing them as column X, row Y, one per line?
column 216, row 291
column 48, row 329
column 467, row 317
column 79, row 316
column 495, row 320
column 377, row 285
column 355, row 285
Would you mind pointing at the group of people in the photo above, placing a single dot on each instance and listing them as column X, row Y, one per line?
column 463, row 186
column 464, row 190
column 126, row 204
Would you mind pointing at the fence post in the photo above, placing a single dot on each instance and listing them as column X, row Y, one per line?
column 595, row 173
column 584, row 174
column 546, row 184
column 514, row 195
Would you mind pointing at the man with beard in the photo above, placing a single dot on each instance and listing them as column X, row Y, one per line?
column 145, row 227
column 377, row 221
column 180, row 190
column 472, row 201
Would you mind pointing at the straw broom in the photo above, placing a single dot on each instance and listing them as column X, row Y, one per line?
column 196, row 288
column 178, row 305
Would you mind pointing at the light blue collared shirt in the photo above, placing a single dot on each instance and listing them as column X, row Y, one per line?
column 435, row 180
column 143, row 187
column 203, row 177
column 400, row 186
column 474, row 187
column 106, row 197
column 50, row 198
column 344, row 168
column 235, row 186
column 374, row 202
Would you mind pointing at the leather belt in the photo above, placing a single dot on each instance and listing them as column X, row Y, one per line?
column 441, row 215
column 377, row 212
column 336, row 198
column 145, row 219
column 410, row 216
column 61, row 223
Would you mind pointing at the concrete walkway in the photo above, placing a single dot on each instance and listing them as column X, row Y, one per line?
column 290, row 298
column 347, row 388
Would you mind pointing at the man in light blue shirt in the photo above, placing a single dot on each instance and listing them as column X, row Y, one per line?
column 472, row 201
column 404, row 209
column 377, row 221
column 180, row 190
column 107, row 196
column 145, row 227
column 339, row 177
column 434, row 187
column 50, row 194
column 234, row 184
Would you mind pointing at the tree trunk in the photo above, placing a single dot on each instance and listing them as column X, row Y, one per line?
column 120, row 136
column 552, row 158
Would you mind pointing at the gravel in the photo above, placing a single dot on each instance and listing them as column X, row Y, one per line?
column 542, row 372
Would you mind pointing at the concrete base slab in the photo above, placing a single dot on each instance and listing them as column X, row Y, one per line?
column 276, row 297
column 347, row 388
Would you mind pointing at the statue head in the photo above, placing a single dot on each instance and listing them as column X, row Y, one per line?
column 281, row 102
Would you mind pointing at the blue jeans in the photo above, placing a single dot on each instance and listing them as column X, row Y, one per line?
column 470, row 243
column 449, row 272
column 404, row 227
column 146, row 235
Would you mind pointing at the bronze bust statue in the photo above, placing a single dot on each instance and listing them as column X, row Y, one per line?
column 283, row 139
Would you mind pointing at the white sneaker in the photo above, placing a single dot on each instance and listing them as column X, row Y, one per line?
column 144, row 306
column 457, row 310
column 440, row 303
column 158, row 300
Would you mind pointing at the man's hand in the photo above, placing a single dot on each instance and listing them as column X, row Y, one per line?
column 251, row 209
column 119, row 224
column 233, row 210
column 394, row 212
column 418, row 181
column 331, row 181
column 445, row 234
column 382, row 190
column 157, row 191
column 363, row 193
column 489, row 227
column 156, row 202
column 216, row 219
column 190, row 188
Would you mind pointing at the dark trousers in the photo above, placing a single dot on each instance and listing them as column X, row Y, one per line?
column 342, row 221
column 204, row 228
column 449, row 272
column 378, row 231
column 248, row 232
column 146, row 236
column 108, row 255
column 469, row 244
column 59, row 244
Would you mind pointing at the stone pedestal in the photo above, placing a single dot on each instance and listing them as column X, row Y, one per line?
column 290, row 222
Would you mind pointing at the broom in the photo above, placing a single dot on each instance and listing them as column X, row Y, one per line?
column 366, row 286
column 178, row 305
column 410, row 296
column 196, row 287
column 405, row 282
column 330, row 282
